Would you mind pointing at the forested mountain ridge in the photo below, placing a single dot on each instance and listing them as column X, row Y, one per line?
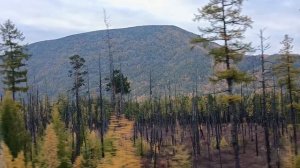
column 164, row 50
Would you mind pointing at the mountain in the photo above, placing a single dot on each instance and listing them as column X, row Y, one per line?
column 164, row 50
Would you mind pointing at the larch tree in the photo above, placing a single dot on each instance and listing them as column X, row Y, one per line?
column 13, row 58
column 92, row 152
column 77, row 73
column 9, row 161
column 63, row 135
column 49, row 157
column 227, row 26
column 7, row 158
column 20, row 161
column 78, row 162
column 12, row 125
column 287, row 75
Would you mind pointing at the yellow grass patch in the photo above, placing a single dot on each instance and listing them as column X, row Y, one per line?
column 120, row 132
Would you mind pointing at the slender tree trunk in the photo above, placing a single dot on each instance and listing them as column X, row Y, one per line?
column 231, row 105
column 265, row 119
column 101, row 110
column 78, row 126
column 293, row 114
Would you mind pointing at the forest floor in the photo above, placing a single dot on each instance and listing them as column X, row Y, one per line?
column 176, row 150
column 178, row 155
column 248, row 157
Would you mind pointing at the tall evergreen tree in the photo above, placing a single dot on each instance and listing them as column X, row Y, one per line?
column 287, row 75
column 12, row 126
column 63, row 134
column 226, row 25
column 77, row 73
column 121, row 83
column 13, row 58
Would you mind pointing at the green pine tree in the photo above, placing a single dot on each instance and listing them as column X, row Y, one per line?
column 64, row 139
column 226, row 25
column 12, row 126
column 13, row 58
column 77, row 73
column 121, row 83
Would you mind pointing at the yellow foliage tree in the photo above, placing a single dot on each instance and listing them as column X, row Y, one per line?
column 9, row 161
column 78, row 162
column 181, row 158
column 7, row 157
column 64, row 139
column 49, row 151
column 91, row 153
column 19, row 162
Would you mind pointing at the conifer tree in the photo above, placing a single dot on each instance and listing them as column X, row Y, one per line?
column 12, row 126
column 20, row 160
column 121, row 83
column 13, row 58
column 78, row 162
column 7, row 156
column 49, row 157
column 63, row 136
column 226, row 25
column 9, row 161
column 77, row 73
column 287, row 75
column 92, row 152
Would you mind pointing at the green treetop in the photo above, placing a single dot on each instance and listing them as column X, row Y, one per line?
column 226, row 25
column 13, row 58
column 121, row 83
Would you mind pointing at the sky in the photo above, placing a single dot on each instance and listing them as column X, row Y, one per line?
column 50, row 19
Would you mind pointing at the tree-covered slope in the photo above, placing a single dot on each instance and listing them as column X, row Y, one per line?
column 165, row 50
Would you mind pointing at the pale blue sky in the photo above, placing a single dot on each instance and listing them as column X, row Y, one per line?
column 50, row 19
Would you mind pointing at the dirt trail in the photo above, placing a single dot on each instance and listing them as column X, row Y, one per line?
column 124, row 154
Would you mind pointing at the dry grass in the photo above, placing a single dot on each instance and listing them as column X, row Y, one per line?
column 120, row 131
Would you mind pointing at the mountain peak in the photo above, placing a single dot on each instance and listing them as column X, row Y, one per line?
column 164, row 49
column 136, row 29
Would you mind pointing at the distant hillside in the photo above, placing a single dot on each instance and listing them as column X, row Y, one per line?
column 253, row 62
column 163, row 49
